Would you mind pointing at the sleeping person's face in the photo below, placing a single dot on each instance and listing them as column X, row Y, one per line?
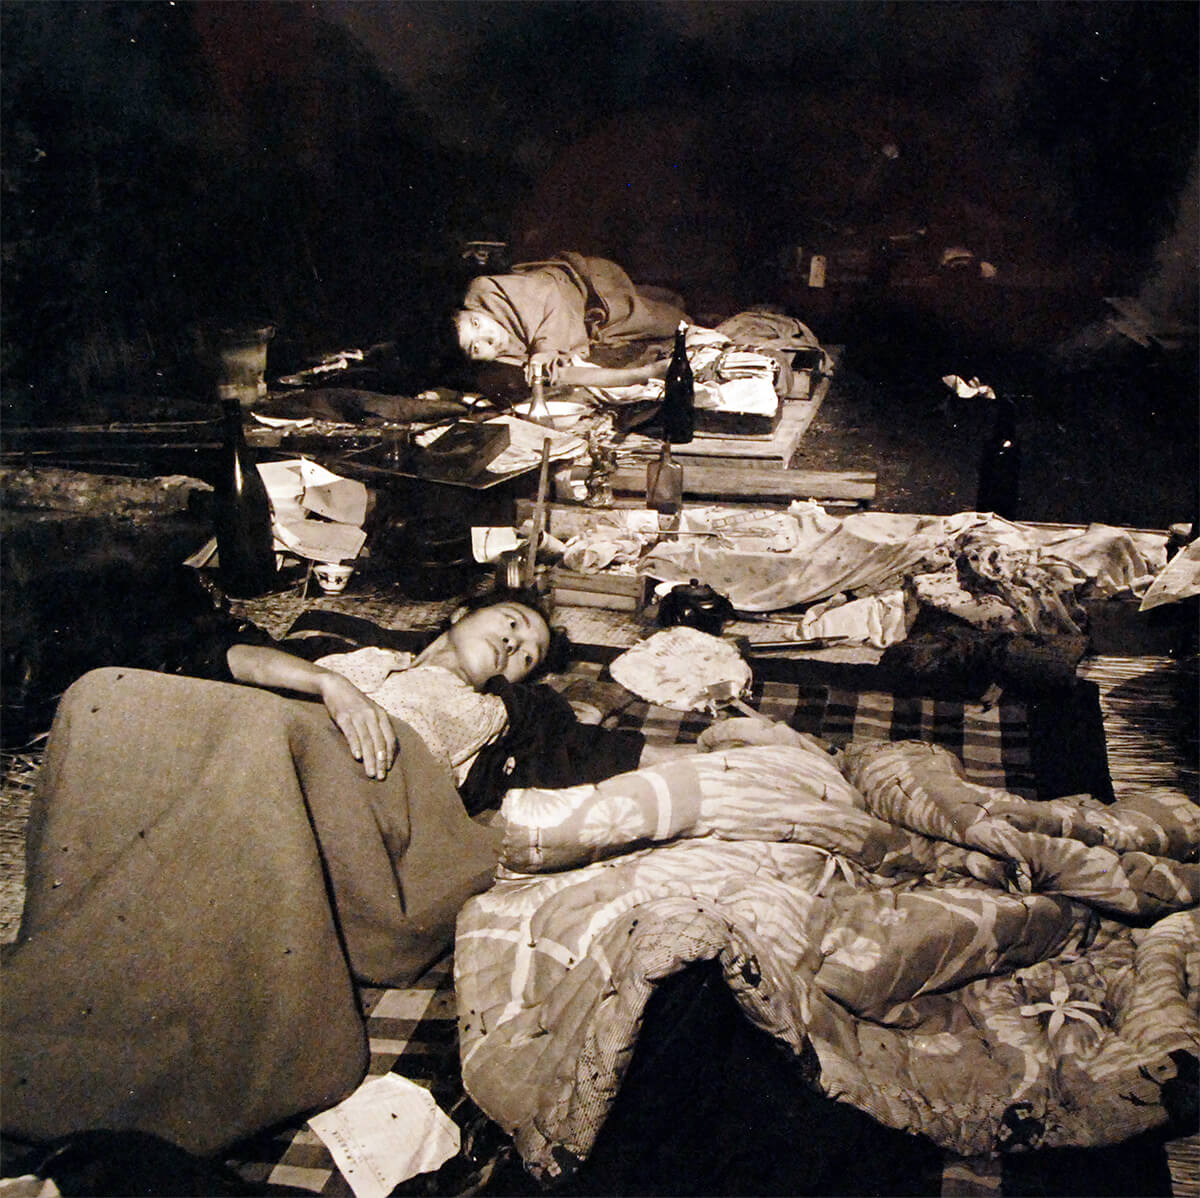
column 506, row 638
column 484, row 339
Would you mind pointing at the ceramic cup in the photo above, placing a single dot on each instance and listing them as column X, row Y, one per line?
column 333, row 577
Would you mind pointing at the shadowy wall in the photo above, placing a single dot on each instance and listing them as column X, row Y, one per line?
column 172, row 168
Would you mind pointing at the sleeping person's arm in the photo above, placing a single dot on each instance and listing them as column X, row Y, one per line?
column 609, row 376
column 365, row 725
column 570, row 374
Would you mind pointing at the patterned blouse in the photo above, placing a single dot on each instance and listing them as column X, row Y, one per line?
column 453, row 719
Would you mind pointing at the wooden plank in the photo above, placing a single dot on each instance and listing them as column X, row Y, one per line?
column 743, row 482
column 773, row 450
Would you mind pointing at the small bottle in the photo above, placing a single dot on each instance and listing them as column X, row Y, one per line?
column 664, row 483
column 242, row 514
column 1000, row 463
column 679, row 393
column 598, row 490
column 539, row 413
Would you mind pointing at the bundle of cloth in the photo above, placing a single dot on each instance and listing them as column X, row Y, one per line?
column 993, row 973
column 992, row 573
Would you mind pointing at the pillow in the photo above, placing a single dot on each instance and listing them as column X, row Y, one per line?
column 759, row 792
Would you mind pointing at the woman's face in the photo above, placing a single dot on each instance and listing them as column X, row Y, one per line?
column 483, row 338
column 505, row 638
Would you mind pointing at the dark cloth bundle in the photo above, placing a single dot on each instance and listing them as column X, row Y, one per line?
column 545, row 745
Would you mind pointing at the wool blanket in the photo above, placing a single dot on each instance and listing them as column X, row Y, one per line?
column 994, row 973
column 565, row 305
column 209, row 874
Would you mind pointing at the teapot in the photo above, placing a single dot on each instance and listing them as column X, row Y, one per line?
column 695, row 605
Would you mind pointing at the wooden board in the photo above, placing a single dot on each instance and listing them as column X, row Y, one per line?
column 772, row 450
column 757, row 482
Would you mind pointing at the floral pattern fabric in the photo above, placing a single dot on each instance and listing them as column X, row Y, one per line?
column 994, row 973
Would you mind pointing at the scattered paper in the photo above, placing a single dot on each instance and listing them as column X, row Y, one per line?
column 489, row 544
column 317, row 514
column 525, row 445
column 388, row 1130
column 343, row 500
column 1179, row 578
column 968, row 390
column 283, row 421
column 321, row 540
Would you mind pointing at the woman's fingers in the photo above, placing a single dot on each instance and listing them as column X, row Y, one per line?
column 366, row 726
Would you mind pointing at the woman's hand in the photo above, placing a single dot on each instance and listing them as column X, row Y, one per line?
column 365, row 725
column 542, row 365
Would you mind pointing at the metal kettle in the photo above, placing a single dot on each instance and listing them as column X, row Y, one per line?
column 695, row 605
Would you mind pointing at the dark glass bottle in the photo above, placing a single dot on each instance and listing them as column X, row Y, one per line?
column 1000, row 464
column 242, row 514
column 679, row 394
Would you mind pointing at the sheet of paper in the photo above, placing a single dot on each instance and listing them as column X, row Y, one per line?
column 321, row 540
column 1178, row 579
column 343, row 500
column 387, row 1131
column 299, row 487
column 488, row 543
column 525, row 445
column 285, row 488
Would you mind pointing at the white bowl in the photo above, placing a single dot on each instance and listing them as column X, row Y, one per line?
column 562, row 413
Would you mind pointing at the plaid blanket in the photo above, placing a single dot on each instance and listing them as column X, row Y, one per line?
column 993, row 743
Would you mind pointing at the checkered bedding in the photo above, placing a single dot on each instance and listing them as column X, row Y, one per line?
column 413, row 1031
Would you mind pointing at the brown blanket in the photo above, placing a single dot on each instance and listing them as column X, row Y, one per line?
column 565, row 305
column 208, row 873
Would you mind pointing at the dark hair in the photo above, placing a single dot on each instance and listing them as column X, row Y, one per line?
column 558, row 649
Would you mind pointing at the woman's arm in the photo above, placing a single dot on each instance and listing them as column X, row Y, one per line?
column 566, row 374
column 610, row 376
column 365, row 725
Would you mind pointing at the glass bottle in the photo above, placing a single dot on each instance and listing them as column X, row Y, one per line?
column 1000, row 463
column 242, row 514
column 539, row 412
column 664, row 483
column 598, row 483
column 679, row 393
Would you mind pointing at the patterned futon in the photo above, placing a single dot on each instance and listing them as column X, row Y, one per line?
column 995, row 973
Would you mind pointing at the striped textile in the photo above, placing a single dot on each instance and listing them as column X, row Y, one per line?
column 992, row 741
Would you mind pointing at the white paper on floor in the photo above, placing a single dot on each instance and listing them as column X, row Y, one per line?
column 388, row 1130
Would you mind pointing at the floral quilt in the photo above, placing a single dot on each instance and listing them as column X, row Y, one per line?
column 992, row 972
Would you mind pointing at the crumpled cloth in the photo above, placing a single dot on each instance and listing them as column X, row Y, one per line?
column 1115, row 560
column 875, row 620
column 870, row 552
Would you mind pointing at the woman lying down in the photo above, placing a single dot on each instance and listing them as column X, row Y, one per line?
column 211, row 868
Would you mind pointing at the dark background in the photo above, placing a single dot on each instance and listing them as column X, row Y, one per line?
column 174, row 167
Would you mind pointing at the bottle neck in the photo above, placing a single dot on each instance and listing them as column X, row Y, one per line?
column 232, row 418
column 1004, row 419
